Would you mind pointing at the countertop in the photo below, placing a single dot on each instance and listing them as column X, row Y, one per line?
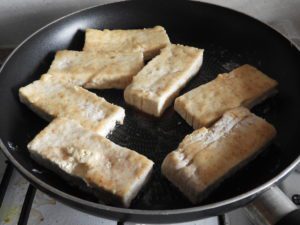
column 19, row 18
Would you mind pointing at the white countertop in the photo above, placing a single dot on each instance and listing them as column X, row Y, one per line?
column 19, row 18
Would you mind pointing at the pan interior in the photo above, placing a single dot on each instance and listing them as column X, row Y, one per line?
column 229, row 39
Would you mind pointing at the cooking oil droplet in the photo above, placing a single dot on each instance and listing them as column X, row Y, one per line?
column 12, row 146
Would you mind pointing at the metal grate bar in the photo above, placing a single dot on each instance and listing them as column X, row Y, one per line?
column 26, row 208
column 5, row 180
column 223, row 220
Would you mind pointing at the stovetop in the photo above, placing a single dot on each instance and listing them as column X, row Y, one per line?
column 21, row 203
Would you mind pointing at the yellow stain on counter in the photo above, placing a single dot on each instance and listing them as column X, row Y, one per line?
column 10, row 215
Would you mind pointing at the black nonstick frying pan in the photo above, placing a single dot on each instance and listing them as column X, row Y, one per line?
column 229, row 38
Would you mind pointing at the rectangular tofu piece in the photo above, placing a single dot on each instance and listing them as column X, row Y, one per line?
column 97, row 70
column 113, row 173
column 155, row 87
column 245, row 86
column 147, row 40
column 207, row 156
column 50, row 97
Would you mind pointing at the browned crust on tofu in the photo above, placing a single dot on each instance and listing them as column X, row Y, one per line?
column 147, row 40
column 207, row 156
column 113, row 173
column 155, row 87
column 50, row 98
column 97, row 70
column 244, row 86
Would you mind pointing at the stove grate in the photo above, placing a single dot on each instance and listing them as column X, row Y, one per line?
column 5, row 180
column 27, row 204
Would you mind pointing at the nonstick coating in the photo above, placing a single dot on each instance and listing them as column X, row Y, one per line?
column 229, row 38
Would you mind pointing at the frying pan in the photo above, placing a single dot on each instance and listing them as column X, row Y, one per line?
column 229, row 38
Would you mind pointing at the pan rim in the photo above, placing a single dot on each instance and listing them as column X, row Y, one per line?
column 244, row 196
column 247, row 196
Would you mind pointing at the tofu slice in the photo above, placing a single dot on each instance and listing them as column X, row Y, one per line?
column 155, row 87
column 245, row 86
column 97, row 70
column 113, row 173
column 50, row 97
column 148, row 40
column 207, row 156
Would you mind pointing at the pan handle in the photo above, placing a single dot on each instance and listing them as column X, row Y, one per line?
column 273, row 207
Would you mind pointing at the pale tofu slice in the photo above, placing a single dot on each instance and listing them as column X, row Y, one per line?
column 207, row 156
column 97, row 70
column 50, row 97
column 113, row 173
column 245, row 86
column 148, row 40
column 155, row 87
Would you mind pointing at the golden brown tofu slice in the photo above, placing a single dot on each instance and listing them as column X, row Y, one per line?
column 113, row 173
column 155, row 87
column 245, row 86
column 148, row 40
column 97, row 70
column 50, row 97
column 207, row 156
